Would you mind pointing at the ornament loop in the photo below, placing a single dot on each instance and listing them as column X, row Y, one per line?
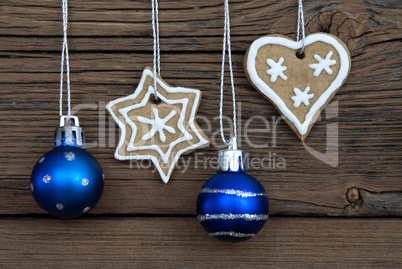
column 232, row 143
column 63, row 120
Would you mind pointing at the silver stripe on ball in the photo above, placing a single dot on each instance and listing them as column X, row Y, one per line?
column 231, row 233
column 243, row 194
column 231, row 216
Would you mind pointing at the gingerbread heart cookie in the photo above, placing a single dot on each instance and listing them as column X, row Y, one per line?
column 299, row 86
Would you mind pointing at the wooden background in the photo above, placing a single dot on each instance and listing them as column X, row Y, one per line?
column 321, row 216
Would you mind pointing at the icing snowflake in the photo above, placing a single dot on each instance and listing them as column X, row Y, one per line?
column 276, row 69
column 302, row 97
column 323, row 64
column 158, row 125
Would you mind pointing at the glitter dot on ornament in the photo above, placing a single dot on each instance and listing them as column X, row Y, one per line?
column 46, row 179
column 70, row 156
column 84, row 182
column 85, row 210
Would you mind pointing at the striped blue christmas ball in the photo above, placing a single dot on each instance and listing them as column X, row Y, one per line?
column 232, row 206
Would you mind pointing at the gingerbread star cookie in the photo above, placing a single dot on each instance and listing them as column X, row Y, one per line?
column 160, row 131
column 299, row 86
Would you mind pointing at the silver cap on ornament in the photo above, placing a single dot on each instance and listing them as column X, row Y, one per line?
column 232, row 159
column 69, row 135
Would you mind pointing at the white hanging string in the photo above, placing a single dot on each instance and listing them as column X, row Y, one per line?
column 226, row 42
column 155, row 33
column 300, row 24
column 64, row 53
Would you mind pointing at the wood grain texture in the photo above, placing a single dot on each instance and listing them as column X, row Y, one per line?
column 93, row 242
column 110, row 44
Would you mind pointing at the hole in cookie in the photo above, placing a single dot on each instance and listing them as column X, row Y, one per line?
column 300, row 55
column 154, row 100
column 157, row 101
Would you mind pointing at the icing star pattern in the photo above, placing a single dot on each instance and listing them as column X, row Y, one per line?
column 323, row 64
column 276, row 69
column 158, row 125
column 302, row 97
column 171, row 124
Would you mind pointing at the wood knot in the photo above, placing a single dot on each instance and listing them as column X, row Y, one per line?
column 350, row 28
column 352, row 195
column 354, row 199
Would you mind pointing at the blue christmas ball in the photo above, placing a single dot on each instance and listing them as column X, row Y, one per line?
column 232, row 206
column 67, row 182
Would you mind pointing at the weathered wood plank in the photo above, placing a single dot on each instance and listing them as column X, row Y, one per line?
column 44, row 67
column 181, row 242
column 150, row 196
column 190, row 25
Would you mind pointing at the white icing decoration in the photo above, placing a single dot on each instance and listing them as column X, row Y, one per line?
column 323, row 64
column 302, row 97
column 267, row 91
column 186, row 136
column 276, row 69
column 158, row 125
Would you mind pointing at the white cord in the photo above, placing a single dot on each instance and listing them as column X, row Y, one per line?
column 300, row 24
column 226, row 42
column 64, row 52
column 155, row 33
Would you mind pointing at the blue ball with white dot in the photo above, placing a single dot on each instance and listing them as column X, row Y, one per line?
column 232, row 206
column 67, row 182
